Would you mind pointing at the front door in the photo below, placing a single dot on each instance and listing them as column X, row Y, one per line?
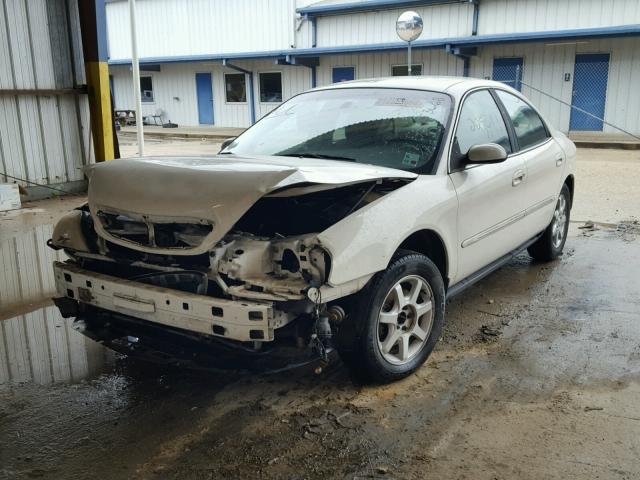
column 589, row 91
column 204, row 91
column 508, row 71
column 490, row 196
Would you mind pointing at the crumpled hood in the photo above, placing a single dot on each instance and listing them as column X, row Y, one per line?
column 217, row 189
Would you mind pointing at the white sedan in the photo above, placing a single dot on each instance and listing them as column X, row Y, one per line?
column 343, row 219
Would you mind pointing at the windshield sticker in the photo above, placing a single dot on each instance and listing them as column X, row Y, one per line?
column 399, row 102
column 410, row 159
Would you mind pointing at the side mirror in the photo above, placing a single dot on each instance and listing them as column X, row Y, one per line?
column 486, row 153
column 226, row 143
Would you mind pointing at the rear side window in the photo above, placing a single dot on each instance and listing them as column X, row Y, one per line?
column 527, row 123
column 480, row 122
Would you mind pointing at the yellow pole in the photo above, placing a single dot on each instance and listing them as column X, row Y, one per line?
column 94, row 41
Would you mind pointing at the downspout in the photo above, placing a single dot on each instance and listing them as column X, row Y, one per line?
column 465, row 66
column 458, row 52
column 313, row 76
column 476, row 13
column 314, row 32
column 252, row 103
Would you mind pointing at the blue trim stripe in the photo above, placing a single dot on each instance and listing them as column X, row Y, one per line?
column 320, row 9
column 622, row 31
column 101, row 30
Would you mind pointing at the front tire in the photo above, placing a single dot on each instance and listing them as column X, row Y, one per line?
column 549, row 246
column 397, row 319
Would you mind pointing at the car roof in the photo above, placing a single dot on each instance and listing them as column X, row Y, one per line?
column 453, row 85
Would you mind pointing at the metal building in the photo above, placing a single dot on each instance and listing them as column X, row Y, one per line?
column 44, row 116
column 227, row 63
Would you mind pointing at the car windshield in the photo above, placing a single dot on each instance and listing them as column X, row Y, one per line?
column 379, row 126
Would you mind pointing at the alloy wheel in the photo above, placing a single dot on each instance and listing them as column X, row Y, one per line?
column 405, row 319
column 559, row 224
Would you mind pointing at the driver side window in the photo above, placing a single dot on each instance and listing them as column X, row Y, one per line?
column 480, row 122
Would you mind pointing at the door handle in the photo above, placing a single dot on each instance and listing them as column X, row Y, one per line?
column 518, row 177
column 559, row 160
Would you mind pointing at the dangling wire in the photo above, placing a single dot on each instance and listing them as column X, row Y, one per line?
column 37, row 184
column 559, row 100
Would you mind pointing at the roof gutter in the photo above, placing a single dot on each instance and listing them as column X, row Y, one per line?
column 324, row 10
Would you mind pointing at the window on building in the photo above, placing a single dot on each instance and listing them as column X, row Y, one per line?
column 235, row 86
column 343, row 74
column 146, row 89
column 402, row 70
column 271, row 87
column 528, row 125
column 480, row 122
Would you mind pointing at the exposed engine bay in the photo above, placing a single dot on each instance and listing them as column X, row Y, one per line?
column 265, row 271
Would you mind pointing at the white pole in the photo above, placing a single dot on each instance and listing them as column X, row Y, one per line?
column 136, row 76
column 409, row 55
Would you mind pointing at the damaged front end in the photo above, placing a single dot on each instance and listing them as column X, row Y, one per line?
column 232, row 258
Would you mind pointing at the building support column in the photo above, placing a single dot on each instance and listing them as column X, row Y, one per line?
column 310, row 62
column 465, row 53
column 93, row 28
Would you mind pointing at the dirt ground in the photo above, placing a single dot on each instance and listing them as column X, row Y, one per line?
column 537, row 376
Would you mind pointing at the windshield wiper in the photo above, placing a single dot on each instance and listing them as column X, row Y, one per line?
column 319, row 155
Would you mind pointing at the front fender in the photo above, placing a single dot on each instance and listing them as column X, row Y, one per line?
column 364, row 242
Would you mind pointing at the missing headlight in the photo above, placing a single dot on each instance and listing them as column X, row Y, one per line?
column 290, row 261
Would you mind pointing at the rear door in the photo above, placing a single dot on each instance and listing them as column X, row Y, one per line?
column 490, row 197
column 543, row 159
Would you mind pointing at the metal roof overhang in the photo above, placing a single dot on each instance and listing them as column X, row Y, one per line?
column 445, row 43
column 322, row 9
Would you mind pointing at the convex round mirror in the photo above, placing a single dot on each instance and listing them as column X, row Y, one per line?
column 409, row 26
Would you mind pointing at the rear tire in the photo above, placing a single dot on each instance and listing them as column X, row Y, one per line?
column 549, row 246
column 397, row 319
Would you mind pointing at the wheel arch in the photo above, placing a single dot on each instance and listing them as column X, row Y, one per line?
column 430, row 244
column 570, row 183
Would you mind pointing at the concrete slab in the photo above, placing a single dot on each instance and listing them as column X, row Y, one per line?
column 218, row 133
column 619, row 141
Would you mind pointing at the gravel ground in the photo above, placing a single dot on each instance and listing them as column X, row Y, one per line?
column 537, row 376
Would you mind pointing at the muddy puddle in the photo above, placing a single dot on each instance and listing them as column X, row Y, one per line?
column 537, row 376
column 43, row 348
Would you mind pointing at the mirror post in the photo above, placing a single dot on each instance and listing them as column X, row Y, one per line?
column 409, row 27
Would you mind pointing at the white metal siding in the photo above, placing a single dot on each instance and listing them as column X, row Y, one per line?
column 175, row 86
column 546, row 64
column 198, row 27
column 434, row 62
column 440, row 21
column 175, row 91
column 508, row 16
column 42, row 138
column 44, row 348
column 26, row 275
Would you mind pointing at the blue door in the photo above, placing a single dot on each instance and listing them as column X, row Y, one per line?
column 205, row 98
column 589, row 91
column 343, row 74
column 509, row 71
